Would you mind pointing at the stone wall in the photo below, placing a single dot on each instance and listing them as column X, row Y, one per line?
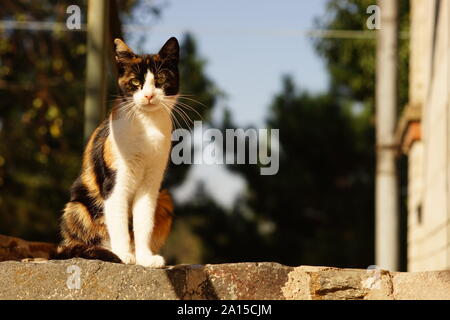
column 26, row 273
column 101, row 280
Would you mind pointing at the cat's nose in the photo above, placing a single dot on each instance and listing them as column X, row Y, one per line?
column 149, row 96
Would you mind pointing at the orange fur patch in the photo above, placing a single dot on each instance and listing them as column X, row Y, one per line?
column 135, row 60
column 79, row 221
column 121, row 46
column 108, row 154
column 88, row 176
column 81, row 214
column 163, row 221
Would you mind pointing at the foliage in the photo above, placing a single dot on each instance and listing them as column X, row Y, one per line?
column 351, row 62
column 41, row 96
column 351, row 65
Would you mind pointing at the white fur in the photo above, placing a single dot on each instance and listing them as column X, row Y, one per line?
column 148, row 90
column 142, row 145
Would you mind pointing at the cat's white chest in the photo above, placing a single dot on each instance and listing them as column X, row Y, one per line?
column 141, row 144
column 153, row 137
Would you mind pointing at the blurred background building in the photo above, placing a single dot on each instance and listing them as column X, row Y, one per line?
column 424, row 133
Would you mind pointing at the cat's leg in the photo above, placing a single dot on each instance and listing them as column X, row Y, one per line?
column 116, row 219
column 143, row 223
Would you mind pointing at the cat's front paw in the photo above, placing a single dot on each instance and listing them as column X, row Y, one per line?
column 150, row 260
column 126, row 257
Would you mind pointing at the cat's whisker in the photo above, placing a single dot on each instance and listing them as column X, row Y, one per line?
column 118, row 100
column 126, row 106
column 178, row 110
column 193, row 100
column 181, row 116
column 186, row 119
column 129, row 109
column 184, row 113
column 172, row 116
column 121, row 104
column 165, row 108
column 188, row 107
column 190, row 99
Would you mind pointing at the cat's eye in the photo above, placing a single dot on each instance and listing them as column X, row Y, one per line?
column 161, row 78
column 135, row 82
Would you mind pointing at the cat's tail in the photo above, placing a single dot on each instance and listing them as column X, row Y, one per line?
column 86, row 252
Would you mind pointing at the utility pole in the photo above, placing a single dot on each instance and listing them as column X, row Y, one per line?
column 97, row 56
column 386, row 193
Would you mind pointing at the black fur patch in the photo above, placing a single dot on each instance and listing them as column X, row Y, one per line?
column 87, row 252
column 79, row 193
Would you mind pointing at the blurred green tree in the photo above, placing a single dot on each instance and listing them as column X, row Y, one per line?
column 41, row 94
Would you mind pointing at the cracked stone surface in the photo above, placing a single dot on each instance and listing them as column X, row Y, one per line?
column 52, row 279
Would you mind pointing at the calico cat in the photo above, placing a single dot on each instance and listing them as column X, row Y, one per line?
column 116, row 211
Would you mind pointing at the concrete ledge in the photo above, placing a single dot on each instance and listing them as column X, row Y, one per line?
column 101, row 280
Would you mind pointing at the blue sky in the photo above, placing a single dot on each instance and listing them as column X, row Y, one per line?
column 248, row 46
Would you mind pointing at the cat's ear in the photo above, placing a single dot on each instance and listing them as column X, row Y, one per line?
column 122, row 51
column 170, row 50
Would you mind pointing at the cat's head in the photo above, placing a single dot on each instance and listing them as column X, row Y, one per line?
column 149, row 80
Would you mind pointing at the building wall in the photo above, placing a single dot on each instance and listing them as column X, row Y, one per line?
column 428, row 189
